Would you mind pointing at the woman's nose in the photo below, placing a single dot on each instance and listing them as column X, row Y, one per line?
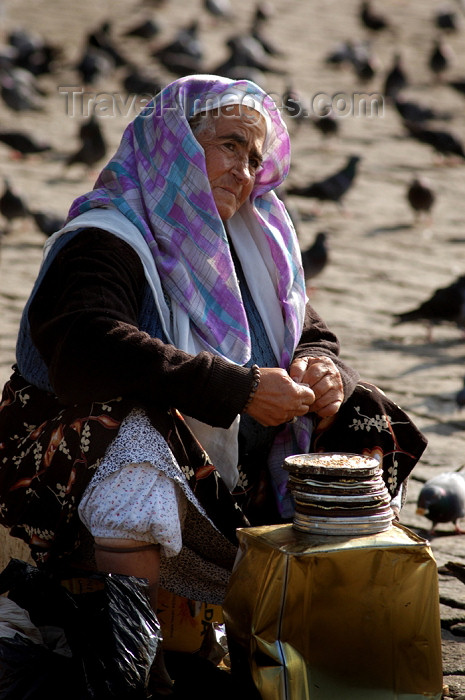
column 241, row 169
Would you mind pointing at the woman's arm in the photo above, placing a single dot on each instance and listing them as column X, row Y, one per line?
column 84, row 322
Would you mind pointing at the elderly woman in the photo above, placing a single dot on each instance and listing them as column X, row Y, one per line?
column 168, row 359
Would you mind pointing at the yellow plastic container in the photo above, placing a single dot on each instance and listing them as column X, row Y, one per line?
column 317, row 617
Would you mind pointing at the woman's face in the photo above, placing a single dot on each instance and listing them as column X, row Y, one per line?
column 233, row 154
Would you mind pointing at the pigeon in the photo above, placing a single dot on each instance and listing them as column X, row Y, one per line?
column 293, row 106
column 147, row 29
column 101, row 39
column 263, row 12
column 334, row 187
column 93, row 146
column 316, row 256
column 443, row 142
column 138, row 82
column 420, row 196
column 32, row 53
column 446, row 20
column 442, row 500
column 12, row 206
column 23, row 144
column 416, row 113
column 371, row 19
column 342, row 53
column 456, row 569
column 47, row 223
column 246, row 51
column 327, row 124
column 184, row 54
column 460, row 396
column 218, row 9
column 445, row 305
column 396, row 79
column 19, row 90
column 93, row 65
column 440, row 58
column 458, row 85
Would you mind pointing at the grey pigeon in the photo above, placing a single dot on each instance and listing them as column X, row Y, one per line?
column 442, row 500
column 334, row 187
column 446, row 305
column 20, row 91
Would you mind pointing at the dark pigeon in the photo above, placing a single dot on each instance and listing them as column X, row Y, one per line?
column 371, row 19
column 47, row 223
column 184, row 54
column 139, row 82
column 147, row 29
column 12, row 205
column 396, row 79
column 445, row 305
column 446, row 20
column 93, row 65
column 442, row 500
column 458, row 85
column 416, row 113
column 440, row 58
column 101, row 39
column 456, row 569
column 316, row 256
column 443, row 142
column 333, row 188
column 22, row 143
column 93, row 145
column 420, row 196
column 460, row 396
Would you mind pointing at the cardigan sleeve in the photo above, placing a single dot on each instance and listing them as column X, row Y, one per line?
column 318, row 341
column 84, row 322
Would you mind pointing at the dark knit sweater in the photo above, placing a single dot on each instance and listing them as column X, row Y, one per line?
column 84, row 322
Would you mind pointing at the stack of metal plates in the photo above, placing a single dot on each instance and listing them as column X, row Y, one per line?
column 338, row 494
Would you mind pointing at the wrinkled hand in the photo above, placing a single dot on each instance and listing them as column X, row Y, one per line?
column 278, row 398
column 324, row 378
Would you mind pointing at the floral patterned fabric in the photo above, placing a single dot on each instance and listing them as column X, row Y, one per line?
column 46, row 464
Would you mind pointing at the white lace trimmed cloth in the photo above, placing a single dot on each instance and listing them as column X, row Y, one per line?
column 132, row 495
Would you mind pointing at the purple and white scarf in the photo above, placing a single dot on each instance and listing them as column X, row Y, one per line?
column 157, row 179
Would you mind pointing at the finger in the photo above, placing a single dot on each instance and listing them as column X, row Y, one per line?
column 328, row 404
column 298, row 369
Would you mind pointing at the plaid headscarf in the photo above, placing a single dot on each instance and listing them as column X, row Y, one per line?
column 158, row 180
